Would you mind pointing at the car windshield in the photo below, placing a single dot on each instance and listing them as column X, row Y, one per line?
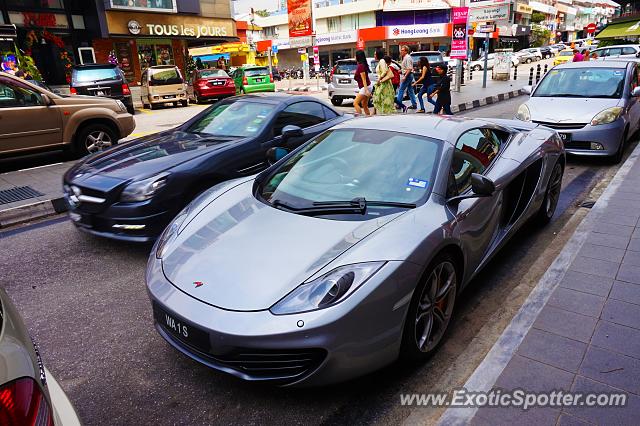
column 233, row 119
column 582, row 83
column 94, row 74
column 252, row 72
column 432, row 57
column 348, row 164
column 346, row 67
column 212, row 73
column 165, row 76
column 566, row 53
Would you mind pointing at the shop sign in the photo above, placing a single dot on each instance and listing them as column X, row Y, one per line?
column 460, row 16
column 484, row 3
column 155, row 25
column 566, row 9
column 300, row 41
column 400, row 5
column 541, row 7
column 492, row 13
column 524, row 9
column 336, row 38
column 299, row 16
column 485, row 28
column 418, row 30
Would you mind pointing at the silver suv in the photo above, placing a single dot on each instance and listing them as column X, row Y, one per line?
column 342, row 85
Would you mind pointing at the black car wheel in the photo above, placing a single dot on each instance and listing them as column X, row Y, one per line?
column 551, row 196
column 430, row 310
column 617, row 157
column 184, row 103
column 144, row 106
column 95, row 138
column 477, row 68
column 335, row 101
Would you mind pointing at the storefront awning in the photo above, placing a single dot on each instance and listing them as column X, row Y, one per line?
column 621, row 29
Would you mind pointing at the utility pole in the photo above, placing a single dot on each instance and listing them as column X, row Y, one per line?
column 486, row 54
column 459, row 62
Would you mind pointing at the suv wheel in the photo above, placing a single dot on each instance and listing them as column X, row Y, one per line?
column 336, row 101
column 95, row 138
column 144, row 106
column 184, row 103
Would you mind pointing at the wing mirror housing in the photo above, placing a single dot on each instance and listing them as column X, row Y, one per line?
column 291, row 131
column 275, row 154
column 527, row 90
column 46, row 99
column 635, row 92
column 481, row 186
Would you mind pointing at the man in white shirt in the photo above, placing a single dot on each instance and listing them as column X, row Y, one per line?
column 406, row 80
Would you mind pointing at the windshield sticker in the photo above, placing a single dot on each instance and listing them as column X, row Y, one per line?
column 252, row 129
column 418, row 183
column 618, row 72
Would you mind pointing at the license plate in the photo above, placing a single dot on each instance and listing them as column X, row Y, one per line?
column 344, row 81
column 100, row 93
column 218, row 83
column 566, row 137
column 258, row 80
column 182, row 330
column 168, row 97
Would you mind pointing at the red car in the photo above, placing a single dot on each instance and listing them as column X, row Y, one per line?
column 209, row 84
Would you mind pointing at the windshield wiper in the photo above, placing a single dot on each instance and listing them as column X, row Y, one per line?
column 561, row 95
column 356, row 206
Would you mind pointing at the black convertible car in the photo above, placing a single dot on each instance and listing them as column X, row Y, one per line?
column 131, row 192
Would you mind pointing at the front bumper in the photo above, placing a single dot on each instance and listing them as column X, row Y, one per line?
column 168, row 97
column 126, row 124
column 607, row 135
column 342, row 92
column 357, row 336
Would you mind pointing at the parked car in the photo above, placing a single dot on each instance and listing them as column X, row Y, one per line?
column 563, row 57
column 619, row 51
column 105, row 80
column 546, row 52
column 252, row 79
column 539, row 53
column 435, row 59
column 478, row 64
column 132, row 191
column 35, row 119
column 342, row 85
column 525, row 57
column 29, row 394
column 594, row 105
column 162, row 84
column 373, row 229
column 207, row 84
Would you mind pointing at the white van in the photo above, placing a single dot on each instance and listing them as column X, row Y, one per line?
column 163, row 84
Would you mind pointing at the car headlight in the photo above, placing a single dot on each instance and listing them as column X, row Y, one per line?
column 607, row 116
column 122, row 107
column 327, row 290
column 523, row 113
column 171, row 232
column 144, row 189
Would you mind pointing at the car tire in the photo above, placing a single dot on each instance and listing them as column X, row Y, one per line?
column 440, row 280
column 617, row 157
column 101, row 136
column 477, row 67
column 184, row 103
column 144, row 106
column 551, row 195
column 197, row 99
column 336, row 101
column 152, row 106
column 528, row 60
column 131, row 110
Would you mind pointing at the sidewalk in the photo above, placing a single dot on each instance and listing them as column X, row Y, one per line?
column 579, row 329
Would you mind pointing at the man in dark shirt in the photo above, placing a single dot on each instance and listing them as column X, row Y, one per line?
column 443, row 91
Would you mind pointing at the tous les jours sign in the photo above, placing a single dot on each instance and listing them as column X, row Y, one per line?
column 161, row 25
column 196, row 31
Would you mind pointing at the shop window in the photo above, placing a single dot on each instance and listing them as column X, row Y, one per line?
column 36, row 4
column 78, row 22
column 147, row 5
column 334, row 25
column 155, row 54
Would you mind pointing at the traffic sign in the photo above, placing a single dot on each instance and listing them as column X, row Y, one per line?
column 591, row 28
column 486, row 28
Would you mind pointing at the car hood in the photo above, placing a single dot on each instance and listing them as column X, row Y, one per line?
column 567, row 110
column 149, row 155
column 248, row 255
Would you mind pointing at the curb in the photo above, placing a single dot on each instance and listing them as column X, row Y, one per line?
column 489, row 100
column 485, row 375
column 33, row 211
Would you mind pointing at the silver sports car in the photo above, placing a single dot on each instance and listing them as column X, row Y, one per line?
column 350, row 251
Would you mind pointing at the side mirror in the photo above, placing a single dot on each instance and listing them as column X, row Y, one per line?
column 46, row 99
column 527, row 90
column 635, row 92
column 275, row 154
column 291, row 131
column 56, row 91
column 482, row 185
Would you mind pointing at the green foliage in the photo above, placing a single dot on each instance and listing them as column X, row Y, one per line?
column 537, row 17
column 261, row 12
column 190, row 64
column 614, row 41
column 539, row 36
column 25, row 63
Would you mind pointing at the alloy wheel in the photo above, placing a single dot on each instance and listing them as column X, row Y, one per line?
column 97, row 141
column 553, row 191
column 435, row 306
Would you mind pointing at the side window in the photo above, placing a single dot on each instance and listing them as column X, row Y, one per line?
column 614, row 51
column 603, row 53
column 634, row 78
column 329, row 113
column 628, row 51
column 302, row 114
column 15, row 96
column 474, row 152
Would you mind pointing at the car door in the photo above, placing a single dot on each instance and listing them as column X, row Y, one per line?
column 144, row 90
column 26, row 121
column 477, row 219
column 628, row 52
column 633, row 101
column 308, row 115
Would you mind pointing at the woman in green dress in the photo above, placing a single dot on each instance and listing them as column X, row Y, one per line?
column 384, row 93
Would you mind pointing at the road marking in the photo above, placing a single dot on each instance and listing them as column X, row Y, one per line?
column 33, row 168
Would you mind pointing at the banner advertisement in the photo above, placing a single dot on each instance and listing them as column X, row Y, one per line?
column 493, row 13
column 300, row 23
column 482, row 3
column 336, row 38
column 403, row 5
column 459, row 33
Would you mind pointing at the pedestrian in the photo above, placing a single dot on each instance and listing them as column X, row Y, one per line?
column 586, row 55
column 364, row 84
column 427, row 83
column 406, row 79
column 594, row 56
column 577, row 56
column 443, row 91
column 384, row 95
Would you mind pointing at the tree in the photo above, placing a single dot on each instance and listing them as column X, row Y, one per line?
column 537, row 17
column 261, row 12
column 539, row 35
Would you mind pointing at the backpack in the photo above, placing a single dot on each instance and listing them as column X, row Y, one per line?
column 396, row 75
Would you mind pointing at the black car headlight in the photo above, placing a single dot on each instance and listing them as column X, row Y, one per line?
column 329, row 289
column 171, row 232
column 144, row 189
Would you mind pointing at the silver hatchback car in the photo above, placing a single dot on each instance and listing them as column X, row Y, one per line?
column 342, row 85
column 593, row 105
